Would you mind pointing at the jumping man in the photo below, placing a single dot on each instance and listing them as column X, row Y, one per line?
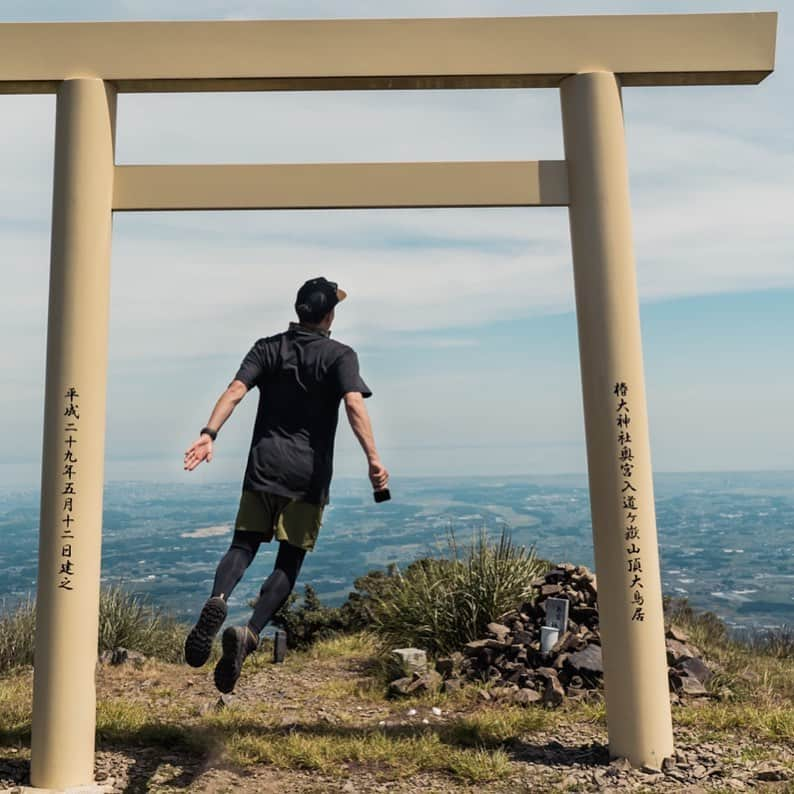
column 302, row 375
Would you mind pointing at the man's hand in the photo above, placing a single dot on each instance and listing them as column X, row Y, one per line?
column 199, row 450
column 378, row 475
column 202, row 449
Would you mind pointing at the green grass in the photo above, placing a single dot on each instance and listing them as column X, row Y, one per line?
column 775, row 723
column 15, row 708
column 389, row 754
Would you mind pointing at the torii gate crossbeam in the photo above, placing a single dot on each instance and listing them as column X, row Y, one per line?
column 587, row 58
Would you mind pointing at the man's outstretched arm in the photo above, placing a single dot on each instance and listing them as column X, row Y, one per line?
column 362, row 427
column 201, row 449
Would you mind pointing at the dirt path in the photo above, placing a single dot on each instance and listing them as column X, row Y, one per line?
column 149, row 715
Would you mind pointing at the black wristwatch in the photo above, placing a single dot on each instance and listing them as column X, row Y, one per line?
column 213, row 434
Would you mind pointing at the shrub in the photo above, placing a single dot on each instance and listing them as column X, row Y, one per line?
column 310, row 621
column 125, row 620
column 440, row 604
column 17, row 632
column 706, row 628
column 777, row 643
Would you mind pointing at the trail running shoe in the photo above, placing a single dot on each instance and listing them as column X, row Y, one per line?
column 198, row 644
column 237, row 643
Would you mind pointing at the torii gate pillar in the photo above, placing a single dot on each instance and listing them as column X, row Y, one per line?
column 67, row 614
column 616, row 422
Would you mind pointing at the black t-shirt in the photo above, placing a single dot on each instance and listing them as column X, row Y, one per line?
column 302, row 375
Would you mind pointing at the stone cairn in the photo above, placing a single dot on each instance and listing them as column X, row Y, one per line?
column 509, row 656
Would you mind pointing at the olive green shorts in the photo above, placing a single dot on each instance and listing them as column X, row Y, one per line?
column 287, row 519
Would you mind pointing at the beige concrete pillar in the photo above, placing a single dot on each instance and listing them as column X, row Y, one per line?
column 64, row 699
column 616, row 423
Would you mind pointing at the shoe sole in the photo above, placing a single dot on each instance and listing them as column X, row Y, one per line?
column 228, row 669
column 198, row 645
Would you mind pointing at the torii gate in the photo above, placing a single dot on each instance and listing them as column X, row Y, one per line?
column 588, row 58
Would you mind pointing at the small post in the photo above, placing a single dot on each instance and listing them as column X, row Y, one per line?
column 67, row 609
column 616, row 423
column 279, row 646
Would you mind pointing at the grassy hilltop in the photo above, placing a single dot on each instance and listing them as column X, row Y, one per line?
column 323, row 720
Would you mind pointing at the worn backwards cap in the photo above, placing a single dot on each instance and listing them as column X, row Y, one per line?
column 316, row 298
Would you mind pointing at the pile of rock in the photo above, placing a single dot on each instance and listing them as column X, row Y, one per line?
column 509, row 655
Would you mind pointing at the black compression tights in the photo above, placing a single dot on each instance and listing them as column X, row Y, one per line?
column 276, row 587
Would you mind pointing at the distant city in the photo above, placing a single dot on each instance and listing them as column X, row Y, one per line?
column 726, row 540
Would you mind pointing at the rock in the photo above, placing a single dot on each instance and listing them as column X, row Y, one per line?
column 581, row 614
column 499, row 631
column 451, row 685
column 771, row 773
column 400, row 686
column 549, row 590
column 484, row 694
column 522, row 638
column 559, row 662
column 445, row 666
column 122, row 656
column 409, row 660
column 699, row 771
column 502, row 692
column 526, row 697
column 429, row 681
column 696, row 668
column 691, row 687
column 668, row 765
column 588, row 660
column 553, row 694
column 620, row 764
column 553, row 577
column 677, row 651
column 573, row 642
column 676, row 633
column 223, row 702
column 474, row 647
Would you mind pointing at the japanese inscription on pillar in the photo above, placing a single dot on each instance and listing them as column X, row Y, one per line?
column 630, row 500
column 71, row 420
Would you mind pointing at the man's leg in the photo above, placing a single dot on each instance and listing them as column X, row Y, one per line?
column 231, row 568
column 239, row 641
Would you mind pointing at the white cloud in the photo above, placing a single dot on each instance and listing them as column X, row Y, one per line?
column 712, row 185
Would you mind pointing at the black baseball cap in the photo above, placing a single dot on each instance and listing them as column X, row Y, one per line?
column 316, row 298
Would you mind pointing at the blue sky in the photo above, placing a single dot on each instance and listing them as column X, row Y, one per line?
column 463, row 319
